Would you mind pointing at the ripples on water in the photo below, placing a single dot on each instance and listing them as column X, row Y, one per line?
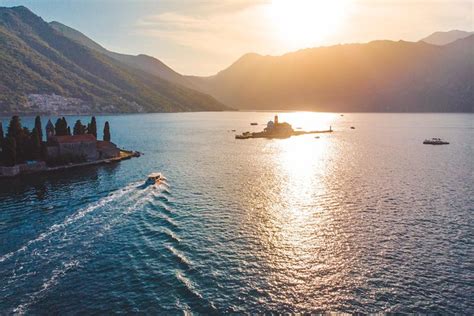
column 365, row 220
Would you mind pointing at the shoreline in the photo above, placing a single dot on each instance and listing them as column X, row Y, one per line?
column 124, row 155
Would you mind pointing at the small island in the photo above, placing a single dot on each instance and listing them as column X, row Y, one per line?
column 23, row 151
column 276, row 129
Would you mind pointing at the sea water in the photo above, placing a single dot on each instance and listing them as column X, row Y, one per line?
column 361, row 220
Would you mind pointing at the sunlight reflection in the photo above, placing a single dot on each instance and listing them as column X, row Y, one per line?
column 294, row 202
column 301, row 165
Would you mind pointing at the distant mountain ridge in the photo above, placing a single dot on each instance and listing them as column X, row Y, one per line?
column 36, row 59
column 285, row 82
column 142, row 62
column 50, row 63
column 444, row 38
column 381, row 76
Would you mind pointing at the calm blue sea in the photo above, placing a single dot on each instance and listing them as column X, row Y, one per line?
column 363, row 220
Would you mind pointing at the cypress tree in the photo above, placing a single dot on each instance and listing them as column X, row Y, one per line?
column 93, row 127
column 61, row 127
column 65, row 126
column 23, row 146
column 58, row 128
column 20, row 135
column 1, row 134
column 35, row 144
column 107, row 131
column 69, row 131
column 9, row 151
column 14, row 128
column 38, row 127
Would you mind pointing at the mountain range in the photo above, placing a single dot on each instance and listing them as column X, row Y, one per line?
column 380, row 76
column 142, row 62
column 435, row 74
column 444, row 38
column 42, row 71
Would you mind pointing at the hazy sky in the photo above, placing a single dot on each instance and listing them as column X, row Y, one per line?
column 204, row 36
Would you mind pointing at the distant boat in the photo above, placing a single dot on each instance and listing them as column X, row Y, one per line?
column 254, row 124
column 435, row 141
column 242, row 137
column 352, row 127
column 233, row 130
column 342, row 114
column 317, row 137
column 245, row 135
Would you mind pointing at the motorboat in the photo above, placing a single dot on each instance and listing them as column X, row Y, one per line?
column 155, row 178
column 435, row 141
column 253, row 124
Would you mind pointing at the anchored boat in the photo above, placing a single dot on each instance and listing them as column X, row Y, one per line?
column 435, row 141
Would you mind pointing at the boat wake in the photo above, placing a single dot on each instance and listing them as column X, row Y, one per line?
column 199, row 303
column 72, row 219
column 52, row 281
column 179, row 257
column 39, row 265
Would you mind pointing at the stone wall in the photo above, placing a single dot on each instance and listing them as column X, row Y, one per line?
column 32, row 167
column 87, row 150
column 10, row 171
column 52, row 152
column 22, row 169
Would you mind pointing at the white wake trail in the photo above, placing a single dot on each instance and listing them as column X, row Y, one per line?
column 73, row 218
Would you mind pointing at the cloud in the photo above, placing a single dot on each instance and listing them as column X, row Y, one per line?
column 218, row 30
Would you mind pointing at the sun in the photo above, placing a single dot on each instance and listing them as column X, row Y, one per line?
column 306, row 23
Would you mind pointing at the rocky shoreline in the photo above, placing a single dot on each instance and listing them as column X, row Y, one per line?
column 41, row 167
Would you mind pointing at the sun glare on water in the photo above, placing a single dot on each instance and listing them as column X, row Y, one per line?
column 305, row 23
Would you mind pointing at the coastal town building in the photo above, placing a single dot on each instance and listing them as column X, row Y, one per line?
column 49, row 129
column 278, row 129
column 76, row 146
column 86, row 146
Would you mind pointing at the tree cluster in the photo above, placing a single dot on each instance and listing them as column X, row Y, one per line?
column 61, row 128
column 19, row 144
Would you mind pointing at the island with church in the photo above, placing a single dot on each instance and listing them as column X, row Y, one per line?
column 275, row 129
column 24, row 151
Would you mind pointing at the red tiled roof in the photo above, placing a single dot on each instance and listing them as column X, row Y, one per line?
column 73, row 139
